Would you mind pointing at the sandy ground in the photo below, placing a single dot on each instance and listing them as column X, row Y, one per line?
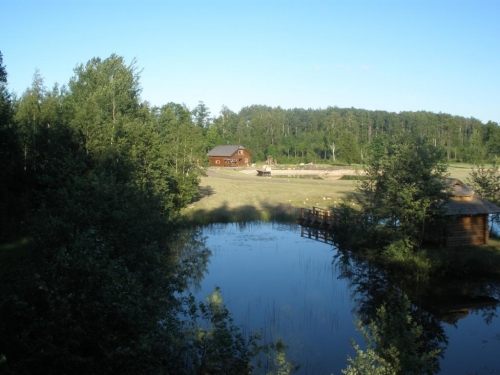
column 331, row 174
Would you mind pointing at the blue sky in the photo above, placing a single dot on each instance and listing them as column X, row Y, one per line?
column 404, row 55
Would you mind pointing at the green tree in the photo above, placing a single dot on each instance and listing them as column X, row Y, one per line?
column 201, row 115
column 98, row 288
column 3, row 70
column 486, row 183
column 332, row 133
column 213, row 137
column 182, row 148
column 31, row 123
column 348, row 148
column 492, row 139
column 11, row 184
column 226, row 123
column 476, row 151
column 98, row 278
column 404, row 188
column 105, row 97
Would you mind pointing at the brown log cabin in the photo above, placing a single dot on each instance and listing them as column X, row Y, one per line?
column 466, row 218
column 229, row 156
column 465, row 222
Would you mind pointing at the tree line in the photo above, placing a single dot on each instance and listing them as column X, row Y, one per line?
column 345, row 134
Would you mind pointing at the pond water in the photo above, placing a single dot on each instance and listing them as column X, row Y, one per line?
column 295, row 288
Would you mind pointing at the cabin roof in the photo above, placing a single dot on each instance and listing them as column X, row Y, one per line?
column 471, row 206
column 458, row 188
column 226, row 150
column 463, row 202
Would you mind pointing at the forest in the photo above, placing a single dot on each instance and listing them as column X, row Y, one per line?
column 92, row 183
column 344, row 134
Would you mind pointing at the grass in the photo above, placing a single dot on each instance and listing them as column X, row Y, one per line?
column 252, row 197
column 258, row 198
column 460, row 170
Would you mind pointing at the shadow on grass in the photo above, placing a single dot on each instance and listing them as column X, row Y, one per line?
column 203, row 191
column 224, row 214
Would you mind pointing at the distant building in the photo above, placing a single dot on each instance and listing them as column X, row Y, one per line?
column 466, row 218
column 229, row 156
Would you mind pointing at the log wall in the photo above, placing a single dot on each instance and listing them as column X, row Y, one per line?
column 466, row 230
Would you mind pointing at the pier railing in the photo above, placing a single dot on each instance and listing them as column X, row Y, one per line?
column 318, row 217
column 328, row 219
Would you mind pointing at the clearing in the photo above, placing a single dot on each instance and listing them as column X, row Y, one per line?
column 238, row 194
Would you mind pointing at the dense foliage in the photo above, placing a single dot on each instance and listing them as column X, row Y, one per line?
column 485, row 181
column 93, row 180
column 404, row 188
column 345, row 134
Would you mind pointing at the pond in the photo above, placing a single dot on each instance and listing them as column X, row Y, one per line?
column 298, row 289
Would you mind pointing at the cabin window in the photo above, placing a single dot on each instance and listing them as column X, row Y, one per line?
column 240, row 152
column 217, row 162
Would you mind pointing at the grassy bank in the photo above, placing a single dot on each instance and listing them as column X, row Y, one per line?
column 241, row 197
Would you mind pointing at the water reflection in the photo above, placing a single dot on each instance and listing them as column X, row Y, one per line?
column 371, row 289
column 432, row 304
column 310, row 294
column 192, row 256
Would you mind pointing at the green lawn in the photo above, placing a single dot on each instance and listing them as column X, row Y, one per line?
column 252, row 197
column 460, row 171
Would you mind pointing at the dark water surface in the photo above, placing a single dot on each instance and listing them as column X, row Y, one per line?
column 292, row 287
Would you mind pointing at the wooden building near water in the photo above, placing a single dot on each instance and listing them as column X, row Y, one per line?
column 229, row 156
column 466, row 218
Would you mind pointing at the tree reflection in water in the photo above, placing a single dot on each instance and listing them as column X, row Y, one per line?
column 428, row 304
column 410, row 338
column 192, row 257
column 408, row 327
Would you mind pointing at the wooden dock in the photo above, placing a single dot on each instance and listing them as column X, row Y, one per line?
column 318, row 218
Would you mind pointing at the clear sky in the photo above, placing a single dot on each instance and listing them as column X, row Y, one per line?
column 401, row 55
